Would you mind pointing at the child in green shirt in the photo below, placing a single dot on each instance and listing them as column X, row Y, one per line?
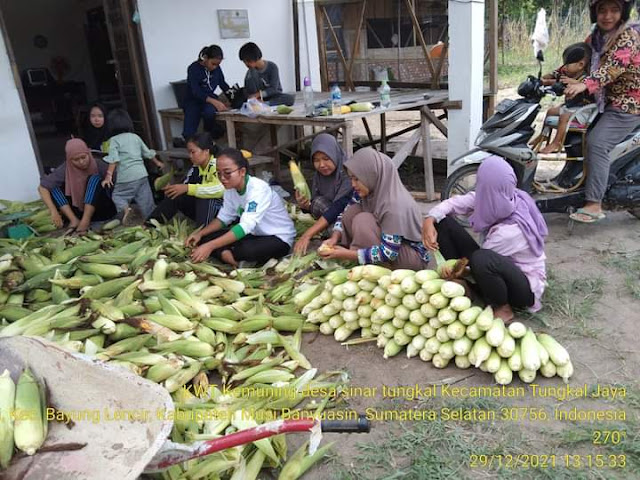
column 127, row 151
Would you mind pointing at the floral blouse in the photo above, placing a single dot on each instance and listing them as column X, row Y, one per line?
column 619, row 73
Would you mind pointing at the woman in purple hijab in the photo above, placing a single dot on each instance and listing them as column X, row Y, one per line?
column 509, row 267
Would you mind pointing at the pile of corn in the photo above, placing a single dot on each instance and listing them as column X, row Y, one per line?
column 34, row 214
column 131, row 298
column 433, row 319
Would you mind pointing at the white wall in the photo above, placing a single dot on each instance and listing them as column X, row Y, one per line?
column 20, row 176
column 309, row 51
column 63, row 23
column 174, row 32
column 466, row 67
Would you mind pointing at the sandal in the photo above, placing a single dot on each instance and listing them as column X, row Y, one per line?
column 584, row 216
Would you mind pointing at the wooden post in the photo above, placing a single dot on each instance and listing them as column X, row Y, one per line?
column 231, row 133
column 356, row 43
column 383, row 133
column 296, row 42
column 322, row 41
column 493, row 55
column 425, row 125
column 347, row 78
column 347, row 138
column 273, row 132
column 418, row 30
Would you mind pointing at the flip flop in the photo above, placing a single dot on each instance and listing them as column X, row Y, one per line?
column 591, row 217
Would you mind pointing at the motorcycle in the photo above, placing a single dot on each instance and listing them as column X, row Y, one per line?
column 508, row 133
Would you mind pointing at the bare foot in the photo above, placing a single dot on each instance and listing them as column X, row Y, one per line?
column 227, row 257
column 552, row 148
column 505, row 313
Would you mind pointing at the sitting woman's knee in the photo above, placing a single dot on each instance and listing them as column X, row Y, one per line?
column 363, row 220
column 480, row 259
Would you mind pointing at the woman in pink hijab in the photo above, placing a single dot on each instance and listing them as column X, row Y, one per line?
column 509, row 267
column 74, row 189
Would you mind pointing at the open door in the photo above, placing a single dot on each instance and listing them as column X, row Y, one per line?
column 131, row 67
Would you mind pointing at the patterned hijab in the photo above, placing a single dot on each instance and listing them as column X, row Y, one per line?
column 499, row 201
column 336, row 185
column 389, row 201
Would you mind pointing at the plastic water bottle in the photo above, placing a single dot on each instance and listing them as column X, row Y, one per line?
column 307, row 93
column 385, row 95
column 336, row 98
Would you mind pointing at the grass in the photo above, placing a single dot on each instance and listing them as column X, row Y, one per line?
column 570, row 304
column 629, row 265
column 566, row 26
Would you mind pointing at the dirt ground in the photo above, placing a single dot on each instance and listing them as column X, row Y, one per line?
column 590, row 309
column 591, row 306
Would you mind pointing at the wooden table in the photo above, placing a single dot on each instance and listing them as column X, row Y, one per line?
column 423, row 100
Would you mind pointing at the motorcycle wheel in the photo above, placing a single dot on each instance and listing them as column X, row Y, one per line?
column 461, row 182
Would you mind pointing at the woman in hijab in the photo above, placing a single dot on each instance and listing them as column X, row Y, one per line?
column 615, row 82
column 74, row 189
column 95, row 131
column 382, row 223
column 330, row 189
column 509, row 268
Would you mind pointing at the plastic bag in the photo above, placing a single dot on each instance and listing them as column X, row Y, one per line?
column 254, row 107
column 540, row 35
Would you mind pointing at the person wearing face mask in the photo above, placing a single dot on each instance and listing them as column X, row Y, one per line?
column 330, row 189
column 382, row 223
column 614, row 80
column 204, row 76
column 74, row 190
column 253, row 224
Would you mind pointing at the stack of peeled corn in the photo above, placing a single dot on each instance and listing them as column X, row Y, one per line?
column 433, row 319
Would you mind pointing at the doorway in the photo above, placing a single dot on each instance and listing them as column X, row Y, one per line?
column 70, row 53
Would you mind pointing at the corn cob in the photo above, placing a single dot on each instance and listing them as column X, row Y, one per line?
column 299, row 182
column 109, row 288
column 126, row 296
column 173, row 322
column 103, row 269
column 225, row 312
column 83, row 248
column 13, row 280
column 221, row 324
column 13, row 312
column 77, row 282
column 160, row 270
column 15, row 299
column 123, row 330
column 141, row 358
column 191, row 348
column 205, row 268
column 132, row 309
column 107, row 258
column 228, row 285
column 177, row 380
column 132, row 248
column 7, row 401
column 161, row 371
column 131, row 344
column 158, row 331
column 41, row 280
column 30, row 427
column 198, row 305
